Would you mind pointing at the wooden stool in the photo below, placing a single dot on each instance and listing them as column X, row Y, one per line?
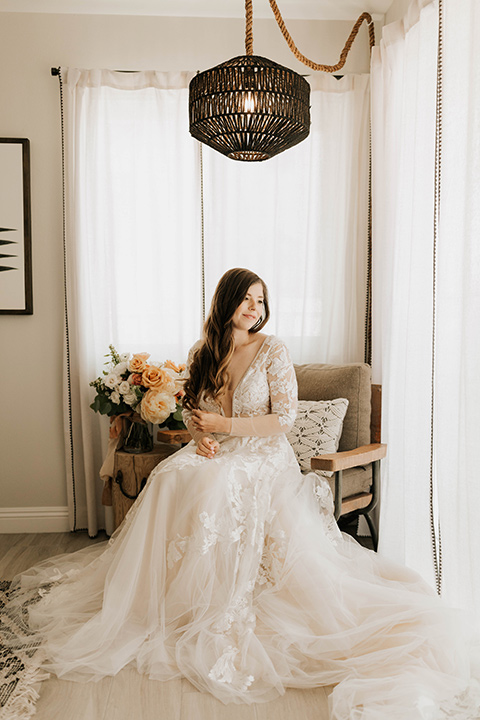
column 130, row 473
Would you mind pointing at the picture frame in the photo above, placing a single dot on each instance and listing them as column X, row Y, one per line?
column 16, row 295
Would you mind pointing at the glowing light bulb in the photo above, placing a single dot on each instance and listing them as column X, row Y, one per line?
column 248, row 103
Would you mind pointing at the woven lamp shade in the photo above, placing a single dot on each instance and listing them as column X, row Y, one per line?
column 249, row 108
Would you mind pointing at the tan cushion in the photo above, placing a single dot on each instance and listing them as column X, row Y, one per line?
column 353, row 381
column 354, row 481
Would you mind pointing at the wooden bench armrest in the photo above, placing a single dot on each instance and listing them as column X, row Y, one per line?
column 349, row 458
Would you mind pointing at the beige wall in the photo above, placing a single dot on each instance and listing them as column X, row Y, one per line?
column 31, row 423
column 397, row 10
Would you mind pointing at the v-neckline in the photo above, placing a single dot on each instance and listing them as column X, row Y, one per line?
column 245, row 373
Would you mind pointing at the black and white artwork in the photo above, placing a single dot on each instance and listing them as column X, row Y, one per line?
column 15, row 228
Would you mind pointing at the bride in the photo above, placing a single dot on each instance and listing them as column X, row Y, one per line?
column 230, row 571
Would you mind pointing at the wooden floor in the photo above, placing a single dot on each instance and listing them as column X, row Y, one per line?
column 130, row 695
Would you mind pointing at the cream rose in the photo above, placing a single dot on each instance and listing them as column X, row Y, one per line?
column 130, row 398
column 111, row 380
column 157, row 406
column 124, row 387
column 138, row 362
column 158, row 378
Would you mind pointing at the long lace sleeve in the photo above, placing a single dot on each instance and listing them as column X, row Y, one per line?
column 282, row 382
column 187, row 414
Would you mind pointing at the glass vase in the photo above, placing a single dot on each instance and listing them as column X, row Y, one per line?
column 139, row 438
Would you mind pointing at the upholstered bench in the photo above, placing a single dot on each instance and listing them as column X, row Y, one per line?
column 356, row 464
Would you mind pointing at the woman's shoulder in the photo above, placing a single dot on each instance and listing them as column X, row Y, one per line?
column 275, row 346
column 274, row 341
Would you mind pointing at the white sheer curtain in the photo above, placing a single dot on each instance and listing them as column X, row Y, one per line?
column 458, row 309
column 404, row 78
column 403, row 153
column 134, row 229
column 300, row 221
column 133, row 244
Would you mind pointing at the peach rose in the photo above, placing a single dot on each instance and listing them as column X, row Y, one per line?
column 157, row 406
column 138, row 362
column 158, row 378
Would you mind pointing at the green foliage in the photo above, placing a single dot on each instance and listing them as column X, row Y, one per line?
column 177, row 415
column 113, row 355
column 175, row 421
column 103, row 405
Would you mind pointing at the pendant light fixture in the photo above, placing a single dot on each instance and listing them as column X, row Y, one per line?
column 250, row 108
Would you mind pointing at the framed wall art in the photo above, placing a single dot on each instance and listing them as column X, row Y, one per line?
column 16, row 297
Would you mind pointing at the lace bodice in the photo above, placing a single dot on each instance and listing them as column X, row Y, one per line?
column 265, row 400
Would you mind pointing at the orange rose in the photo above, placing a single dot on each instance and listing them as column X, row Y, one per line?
column 158, row 378
column 135, row 379
column 138, row 362
column 157, row 406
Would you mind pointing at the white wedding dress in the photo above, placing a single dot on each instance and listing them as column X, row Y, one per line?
column 231, row 572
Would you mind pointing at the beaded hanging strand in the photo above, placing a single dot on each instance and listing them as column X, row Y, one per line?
column 58, row 73
column 202, row 231
column 435, row 522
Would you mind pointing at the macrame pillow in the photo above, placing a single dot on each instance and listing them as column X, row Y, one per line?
column 317, row 430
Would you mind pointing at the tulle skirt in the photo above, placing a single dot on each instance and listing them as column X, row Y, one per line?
column 231, row 572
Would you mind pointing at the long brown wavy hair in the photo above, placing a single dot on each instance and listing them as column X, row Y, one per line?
column 208, row 369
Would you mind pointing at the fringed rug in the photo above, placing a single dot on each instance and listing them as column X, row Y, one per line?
column 20, row 676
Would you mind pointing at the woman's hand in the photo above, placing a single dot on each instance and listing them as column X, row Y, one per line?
column 208, row 422
column 207, row 447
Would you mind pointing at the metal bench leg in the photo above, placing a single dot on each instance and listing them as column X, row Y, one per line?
column 338, row 493
column 372, row 529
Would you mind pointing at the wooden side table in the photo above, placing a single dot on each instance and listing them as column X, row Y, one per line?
column 130, row 473
column 174, row 437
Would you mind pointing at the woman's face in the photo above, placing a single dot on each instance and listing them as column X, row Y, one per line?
column 250, row 309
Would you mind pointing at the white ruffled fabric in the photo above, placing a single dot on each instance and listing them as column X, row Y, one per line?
column 231, row 572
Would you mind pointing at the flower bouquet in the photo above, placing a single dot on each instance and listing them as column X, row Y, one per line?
column 144, row 392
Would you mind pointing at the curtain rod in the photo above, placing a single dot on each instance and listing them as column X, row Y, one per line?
column 56, row 71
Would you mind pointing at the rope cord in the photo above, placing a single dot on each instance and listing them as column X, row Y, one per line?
column 343, row 55
column 65, row 296
column 435, row 525
column 248, row 27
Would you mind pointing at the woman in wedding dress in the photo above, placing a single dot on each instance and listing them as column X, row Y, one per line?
column 229, row 569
